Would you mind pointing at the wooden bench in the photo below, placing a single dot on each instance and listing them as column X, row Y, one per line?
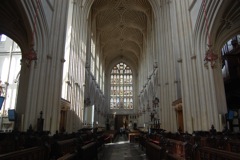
column 133, row 135
column 142, row 140
column 88, row 151
column 154, row 152
column 61, row 148
column 67, row 146
column 68, row 156
column 208, row 153
column 178, row 149
column 34, row 153
column 231, row 145
column 234, row 146
column 110, row 136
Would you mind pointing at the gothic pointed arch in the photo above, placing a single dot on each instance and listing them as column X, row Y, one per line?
column 14, row 24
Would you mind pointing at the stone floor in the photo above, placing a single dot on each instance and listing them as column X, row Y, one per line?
column 122, row 149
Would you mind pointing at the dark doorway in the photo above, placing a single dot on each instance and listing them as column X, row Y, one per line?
column 121, row 122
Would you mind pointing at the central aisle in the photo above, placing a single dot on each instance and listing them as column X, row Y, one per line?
column 121, row 149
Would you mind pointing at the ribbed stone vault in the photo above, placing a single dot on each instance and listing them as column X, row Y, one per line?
column 121, row 27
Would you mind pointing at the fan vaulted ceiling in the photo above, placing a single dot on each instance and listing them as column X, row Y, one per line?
column 121, row 28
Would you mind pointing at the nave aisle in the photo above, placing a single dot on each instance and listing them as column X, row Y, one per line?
column 122, row 149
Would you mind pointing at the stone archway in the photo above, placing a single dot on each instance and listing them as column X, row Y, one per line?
column 226, row 27
column 212, row 103
column 14, row 23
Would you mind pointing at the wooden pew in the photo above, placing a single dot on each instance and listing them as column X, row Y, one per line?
column 231, row 145
column 61, row 148
column 88, row 151
column 208, row 153
column 154, row 152
column 200, row 145
column 68, row 156
column 132, row 135
column 67, row 146
column 34, row 153
column 178, row 150
column 234, row 146
column 142, row 140
column 110, row 136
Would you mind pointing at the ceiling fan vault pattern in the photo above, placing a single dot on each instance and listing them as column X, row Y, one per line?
column 121, row 28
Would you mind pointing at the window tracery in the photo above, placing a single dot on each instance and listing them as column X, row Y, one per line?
column 121, row 87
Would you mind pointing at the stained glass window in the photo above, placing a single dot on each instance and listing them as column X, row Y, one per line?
column 121, row 87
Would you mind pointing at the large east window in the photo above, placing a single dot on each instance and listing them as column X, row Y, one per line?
column 121, row 87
